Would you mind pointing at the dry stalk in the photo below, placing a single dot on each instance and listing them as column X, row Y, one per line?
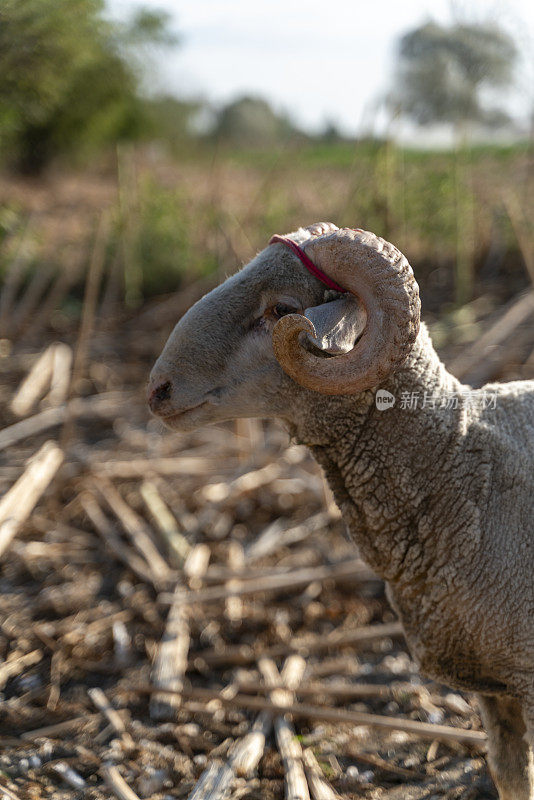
column 354, row 569
column 103, row 406
column 217, row 492
column 116, row 783
column 423, row 730
column 171, row 662
column 469, row 365
column 244, row 654
column 14, row 666
column 177, row 544
column 213, row 783
column 245, row 754
column 288, row 745
column 59, row 729
column 92, row 285
column 60, row 287
column 19, row 502
column 113, row 717
column 139, row 467
column 69, row 775
column 352, row 691
column 171, row 659
column 276, row 536
column 8, row 794
column 319, row 787
column 236, row 561
column 29, row 301
column 34, row 384
column 195, row 567
column 61, row 375
column 137, row 530
column 111, row 539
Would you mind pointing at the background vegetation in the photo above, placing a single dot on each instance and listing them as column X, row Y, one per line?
column 191, row 189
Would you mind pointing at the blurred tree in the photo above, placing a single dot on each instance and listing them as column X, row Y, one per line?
column 69, row 77
column 330, row 133
column 172, row 120
column 251, row 121
column 442, row 78
column 443, row 70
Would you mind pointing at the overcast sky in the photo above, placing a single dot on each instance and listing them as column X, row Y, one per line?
column 317, row 60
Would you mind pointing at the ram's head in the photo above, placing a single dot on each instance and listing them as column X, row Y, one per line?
column 274, row 331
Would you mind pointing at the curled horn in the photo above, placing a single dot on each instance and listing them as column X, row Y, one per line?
column 381, row 278
column 321, row 228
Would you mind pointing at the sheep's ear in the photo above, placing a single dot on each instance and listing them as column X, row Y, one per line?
column 338, row 324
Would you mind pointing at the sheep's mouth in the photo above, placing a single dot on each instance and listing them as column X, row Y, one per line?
column 168, row 419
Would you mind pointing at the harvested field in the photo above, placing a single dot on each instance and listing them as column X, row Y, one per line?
column 181, row 615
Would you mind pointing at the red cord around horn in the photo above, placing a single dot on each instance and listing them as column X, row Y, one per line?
column 306, row 260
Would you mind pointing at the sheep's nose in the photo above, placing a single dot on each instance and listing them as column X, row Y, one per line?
column 158, row 395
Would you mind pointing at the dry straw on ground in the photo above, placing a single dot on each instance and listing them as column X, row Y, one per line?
column 181, row 615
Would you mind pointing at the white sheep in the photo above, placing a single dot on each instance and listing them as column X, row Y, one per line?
column 435, row 481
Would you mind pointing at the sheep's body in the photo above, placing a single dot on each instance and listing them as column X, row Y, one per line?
column 437, row 491
column 427, row 496
column 440, row 501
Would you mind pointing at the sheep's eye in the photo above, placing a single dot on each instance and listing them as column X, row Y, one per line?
column 281, row 309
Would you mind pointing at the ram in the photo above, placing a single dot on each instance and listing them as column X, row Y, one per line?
column 435, row 480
